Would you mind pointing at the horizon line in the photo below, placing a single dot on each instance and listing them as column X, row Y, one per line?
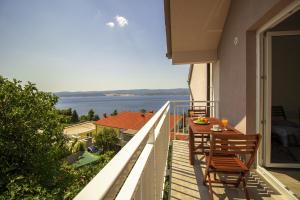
column 117, row 90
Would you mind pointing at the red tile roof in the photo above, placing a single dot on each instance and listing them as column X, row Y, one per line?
column 126, row 120
column 130, row 120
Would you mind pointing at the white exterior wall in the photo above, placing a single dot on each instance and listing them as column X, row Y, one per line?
column 215, row 80
column 198, row 82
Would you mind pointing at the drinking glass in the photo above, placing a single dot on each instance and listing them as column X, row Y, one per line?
column 224, row 123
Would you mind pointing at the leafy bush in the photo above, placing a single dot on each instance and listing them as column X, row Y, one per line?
column 74, row 117
column 80, row 146
column 84, row 175
column 107, row 140
column 91, row 114
column 32, row 147
column 67, row 184
column 84, row 118
column 31, row 137
column 21, row 187
column 114, row 113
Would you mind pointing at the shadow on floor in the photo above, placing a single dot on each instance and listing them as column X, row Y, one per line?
column 187, row 180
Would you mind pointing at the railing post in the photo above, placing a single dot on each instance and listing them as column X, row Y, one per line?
column 138, row 170
column 169, row 121
column 217, row 109
column 151, row 137
column 121, row 176
column 174, row 116
column 183, row 120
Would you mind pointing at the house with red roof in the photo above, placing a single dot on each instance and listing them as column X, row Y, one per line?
column 127, row 123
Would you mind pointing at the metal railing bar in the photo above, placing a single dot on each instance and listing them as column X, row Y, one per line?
column 160, row 123
column 122, row 176
column 130, row 186
column 120, row 163
column 183, row 101
column 128, row 189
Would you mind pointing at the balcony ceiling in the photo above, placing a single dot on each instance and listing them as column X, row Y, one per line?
column 194, row 29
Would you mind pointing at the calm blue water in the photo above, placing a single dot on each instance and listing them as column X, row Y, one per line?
column 107, row 104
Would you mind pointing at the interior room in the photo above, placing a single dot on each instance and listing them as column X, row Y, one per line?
column 285, row 99
column 285, row 102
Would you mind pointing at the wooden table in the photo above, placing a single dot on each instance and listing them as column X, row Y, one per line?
column 199, row 135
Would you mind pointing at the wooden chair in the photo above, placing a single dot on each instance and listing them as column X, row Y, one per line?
column 230, row 154
column 198, row 111
column 198, row 144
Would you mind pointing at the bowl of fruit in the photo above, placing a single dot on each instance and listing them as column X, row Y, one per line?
column 201, row 121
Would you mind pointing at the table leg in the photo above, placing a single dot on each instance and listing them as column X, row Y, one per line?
column 202, row 143
column 191, row 146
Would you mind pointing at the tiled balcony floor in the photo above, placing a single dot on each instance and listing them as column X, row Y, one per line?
column 186, row 180
column 289, row 177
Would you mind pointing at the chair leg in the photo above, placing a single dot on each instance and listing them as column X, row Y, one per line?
column 238, row 181
column 205, row 177
column 215, row 176
column 210, row 187
column 245, row 187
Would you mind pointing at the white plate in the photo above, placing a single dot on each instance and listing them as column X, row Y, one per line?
column 216, row 130
column 201, row 123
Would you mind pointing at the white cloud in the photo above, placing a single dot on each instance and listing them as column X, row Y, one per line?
column 110, row 24
column 121, row 21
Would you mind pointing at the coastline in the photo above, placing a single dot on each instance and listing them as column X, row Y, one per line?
column 107, row 104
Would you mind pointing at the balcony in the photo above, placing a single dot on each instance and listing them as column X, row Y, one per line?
column 146, row 168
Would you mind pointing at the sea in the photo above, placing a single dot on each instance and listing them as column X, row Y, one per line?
column 107, row 104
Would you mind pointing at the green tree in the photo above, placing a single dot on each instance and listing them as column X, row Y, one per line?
column 67, row 112
column 31, row 136
column 114, row 113
column 82, row 175
column 65, row 116
column 96, row 117
column 143, row 111
column 83, row 118
column 91, row 115
column 32, row 147
column 74, row 117
column 107, row 140
column 73, row 144
column 80, row 146
column 70, row 182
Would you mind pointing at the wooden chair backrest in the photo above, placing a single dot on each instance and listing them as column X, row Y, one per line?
column 199, row 111
column 235, row 144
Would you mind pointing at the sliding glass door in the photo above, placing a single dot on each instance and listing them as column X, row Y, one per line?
column 281, row 86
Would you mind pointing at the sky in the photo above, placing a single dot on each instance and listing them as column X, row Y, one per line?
column 87, row 45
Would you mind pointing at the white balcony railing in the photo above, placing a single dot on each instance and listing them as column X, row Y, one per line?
column 137, row 171
column 180, row 111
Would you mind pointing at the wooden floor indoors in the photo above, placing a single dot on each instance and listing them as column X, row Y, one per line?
column 186, row 180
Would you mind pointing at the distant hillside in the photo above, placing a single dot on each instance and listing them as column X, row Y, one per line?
column 138, row 92
column 74, row 94
column 181, row 91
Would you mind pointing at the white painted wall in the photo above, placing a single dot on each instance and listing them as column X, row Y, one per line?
column 198, row 82
column 215, row 81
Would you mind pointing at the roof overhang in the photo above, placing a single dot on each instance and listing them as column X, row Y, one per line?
column 194, row 29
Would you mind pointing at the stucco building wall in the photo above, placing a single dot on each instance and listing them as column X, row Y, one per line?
column 198, row 82
column 237, row 59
